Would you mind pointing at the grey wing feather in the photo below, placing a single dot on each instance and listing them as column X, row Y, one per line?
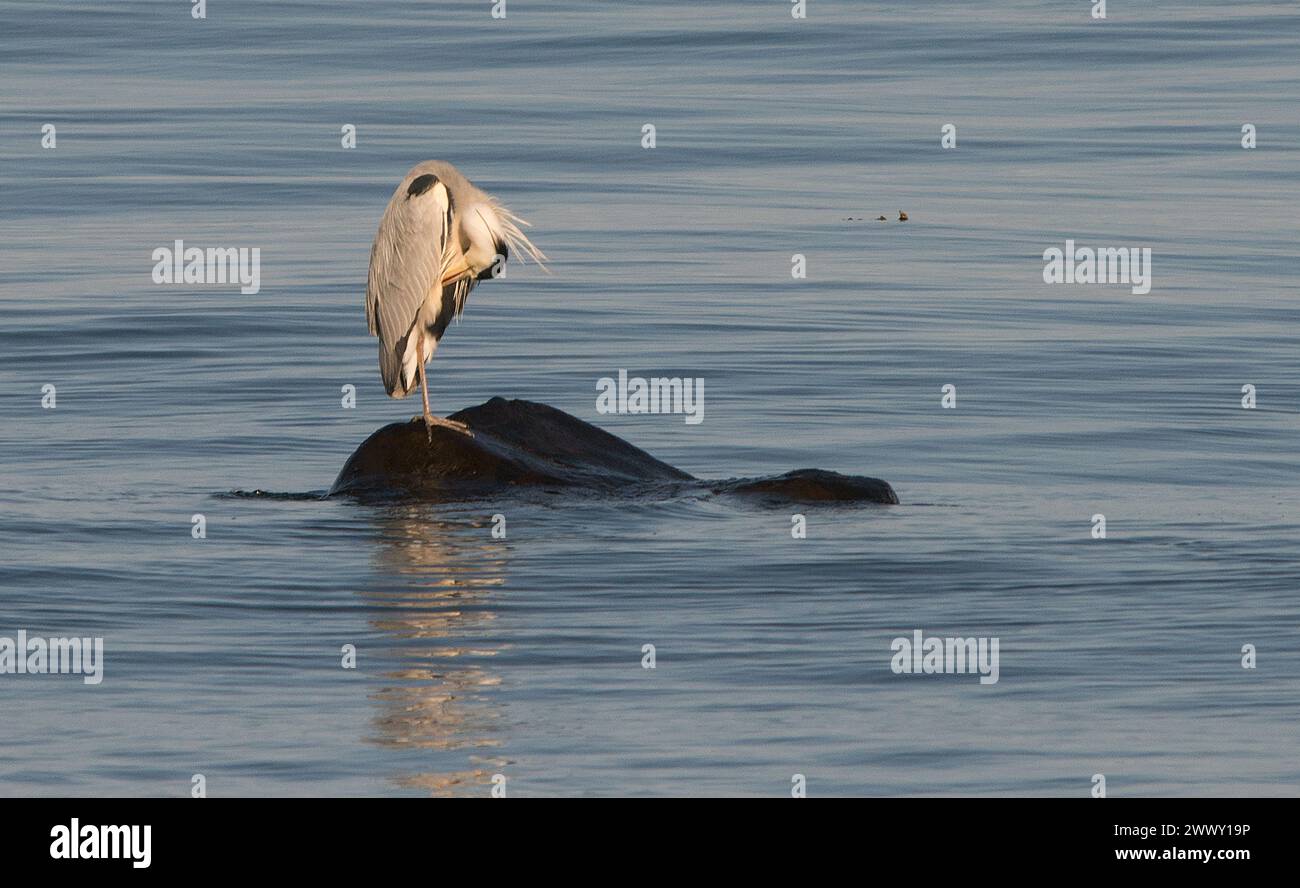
column 405, row 265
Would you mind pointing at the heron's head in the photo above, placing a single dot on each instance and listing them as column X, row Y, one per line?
column 487, row 233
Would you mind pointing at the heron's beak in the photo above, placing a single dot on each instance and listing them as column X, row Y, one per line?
column 458, row 269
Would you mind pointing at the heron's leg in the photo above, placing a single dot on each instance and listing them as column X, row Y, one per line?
column 429, row 419
column 424, row 383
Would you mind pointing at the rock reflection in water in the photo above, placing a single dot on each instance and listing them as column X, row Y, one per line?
column 439, row 579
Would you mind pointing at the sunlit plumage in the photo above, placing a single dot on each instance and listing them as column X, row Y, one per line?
column 438, row 237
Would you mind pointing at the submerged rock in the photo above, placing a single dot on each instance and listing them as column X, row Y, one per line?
column 812, row 486
column 523, row 444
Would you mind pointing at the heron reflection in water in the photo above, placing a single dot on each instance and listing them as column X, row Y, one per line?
column 438, row 580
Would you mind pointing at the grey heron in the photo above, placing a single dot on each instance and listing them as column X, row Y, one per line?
column 439, row 236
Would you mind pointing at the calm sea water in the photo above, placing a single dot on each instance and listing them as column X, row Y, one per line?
column 523, row 656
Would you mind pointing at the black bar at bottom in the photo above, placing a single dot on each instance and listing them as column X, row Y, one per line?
column 338, row 837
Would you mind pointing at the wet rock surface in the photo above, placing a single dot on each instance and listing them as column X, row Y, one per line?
column 523, row 445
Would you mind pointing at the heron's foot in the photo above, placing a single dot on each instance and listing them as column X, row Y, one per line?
column 430, row 421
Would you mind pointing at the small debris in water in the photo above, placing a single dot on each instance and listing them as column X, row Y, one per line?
column 902, row 217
